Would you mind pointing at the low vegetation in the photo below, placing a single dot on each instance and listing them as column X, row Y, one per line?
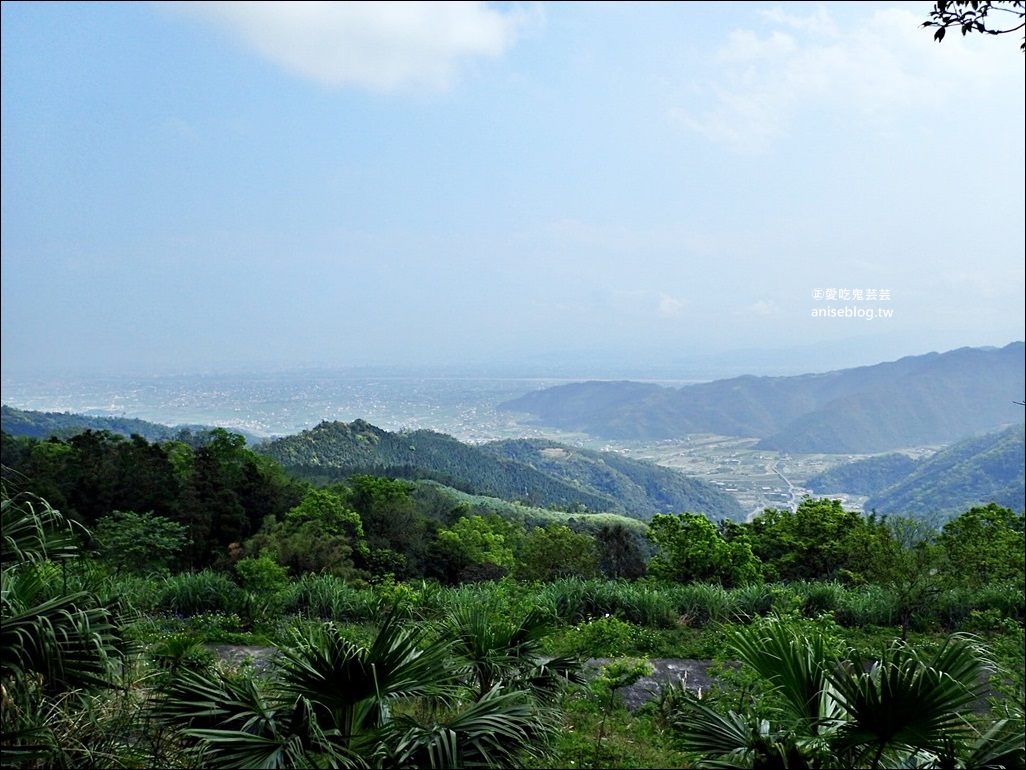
column 396, row 624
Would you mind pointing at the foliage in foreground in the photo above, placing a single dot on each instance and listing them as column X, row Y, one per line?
column 904, row 710
column 404, row 700
column 61, row 647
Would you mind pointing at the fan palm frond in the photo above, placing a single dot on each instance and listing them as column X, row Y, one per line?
column 905, row 704
column 795, row 664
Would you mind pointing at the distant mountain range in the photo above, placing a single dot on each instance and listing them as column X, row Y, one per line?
column 979, row 470
column 932, row 399
column 539, row 473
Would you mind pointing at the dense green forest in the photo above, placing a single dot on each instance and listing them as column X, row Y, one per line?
column 864, row 477
column 417, row 625
column 536, row 472
column 20, row 422
column 982, row 469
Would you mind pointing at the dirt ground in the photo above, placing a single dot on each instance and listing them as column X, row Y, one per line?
column 694, row 674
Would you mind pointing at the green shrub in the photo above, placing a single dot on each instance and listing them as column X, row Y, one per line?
column 606, row 637
column 819, row 597
column 752, row 601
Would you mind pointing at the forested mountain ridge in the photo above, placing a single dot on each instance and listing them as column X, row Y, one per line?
column 973, row 472
column 24, row 422
column 19, row 422
column 638, row 485
column 977, row 471
column 935, row 398
column 539, row 473
column 864, row 477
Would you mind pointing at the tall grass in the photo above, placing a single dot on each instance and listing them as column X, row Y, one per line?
column 869, row 605
column 818, row 598
column 195, row 593
column 700, row 603
column 573, row 600
column 956, row 606
column 328, row 597
column 752, row 601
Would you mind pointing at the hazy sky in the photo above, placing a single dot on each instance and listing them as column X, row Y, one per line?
column 233, row 184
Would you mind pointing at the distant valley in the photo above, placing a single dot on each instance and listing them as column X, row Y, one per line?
column 926, row 434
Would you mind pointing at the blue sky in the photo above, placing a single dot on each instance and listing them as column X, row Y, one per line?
column 191, row 186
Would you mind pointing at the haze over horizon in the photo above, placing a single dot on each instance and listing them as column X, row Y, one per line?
column 197, row 186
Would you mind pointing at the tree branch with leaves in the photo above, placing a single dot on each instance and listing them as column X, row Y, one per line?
column 980, row 16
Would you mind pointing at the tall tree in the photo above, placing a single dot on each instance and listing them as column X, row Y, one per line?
column 985, row 544
column 619, row 553
column 691, row 549
column 820, row 540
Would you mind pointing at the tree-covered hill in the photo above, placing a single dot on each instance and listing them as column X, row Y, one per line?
column 980, row 470
column 973, row 472
column 935, row 398
column 638, row 485
column 537, row 474
column 864, row 477
column 19, row 422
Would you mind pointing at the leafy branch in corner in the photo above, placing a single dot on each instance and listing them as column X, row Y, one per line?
column 972, row 16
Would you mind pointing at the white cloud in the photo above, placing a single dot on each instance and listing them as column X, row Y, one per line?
column 670, row 307
column 381, row 46
column 646, row 302
column 761, row 309
column 867, row 72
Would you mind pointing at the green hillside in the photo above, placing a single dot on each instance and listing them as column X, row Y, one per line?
column 864, row 477
column 538, row 474
column 18, row 422
column 973, row 472
column 531, row 516
column 637, row 485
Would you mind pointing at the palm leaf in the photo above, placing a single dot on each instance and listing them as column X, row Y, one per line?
column 494, row 731
column 355, row 684
column 903, row 704
column 33, row 531
column 794, row 664
column 67, row 639
column 1003, row 745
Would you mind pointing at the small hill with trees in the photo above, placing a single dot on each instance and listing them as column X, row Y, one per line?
column 980, row 470
column 537, row 473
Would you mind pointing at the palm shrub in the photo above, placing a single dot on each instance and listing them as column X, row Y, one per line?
column 905, row 710
column 339, row 704
column 502, row 652
column 58, row 647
